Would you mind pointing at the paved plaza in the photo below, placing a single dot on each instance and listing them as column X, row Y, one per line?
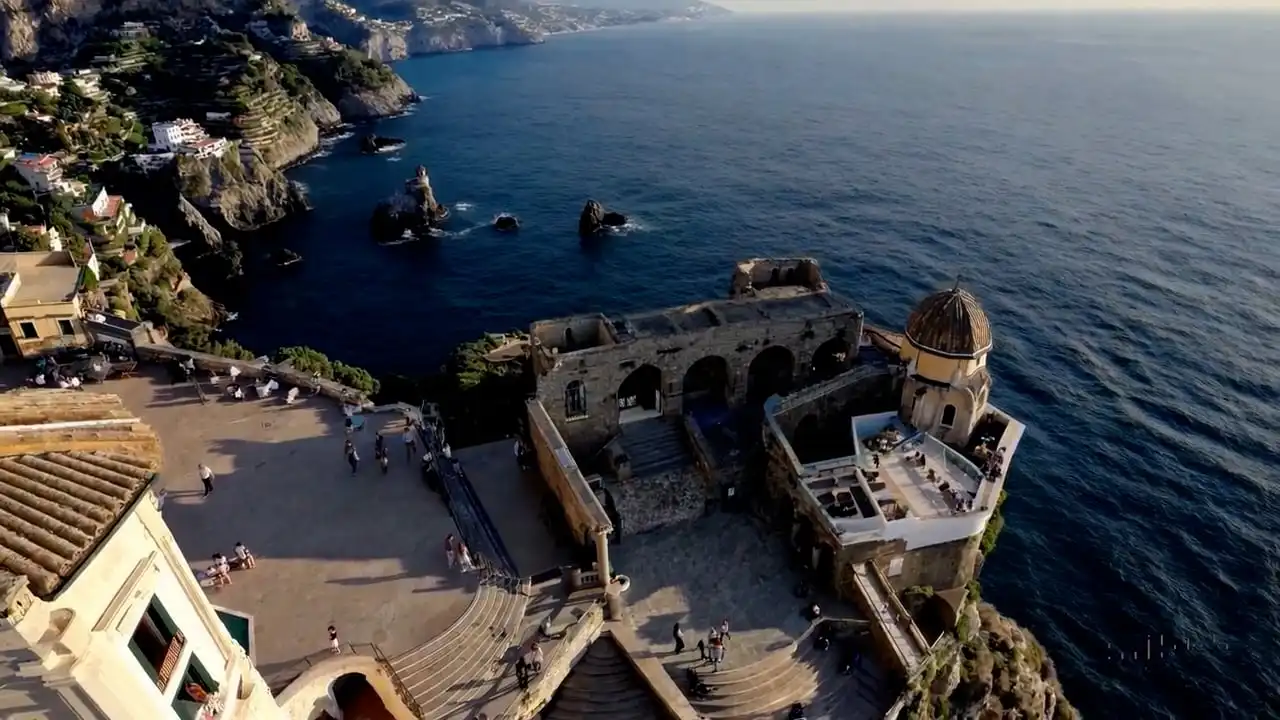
column 699, row 573
column 364, row 552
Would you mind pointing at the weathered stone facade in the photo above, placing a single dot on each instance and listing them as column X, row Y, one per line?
column 582, row 362
column 648, row 503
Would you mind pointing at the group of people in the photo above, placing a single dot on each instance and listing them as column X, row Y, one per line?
column 712, row 649
column 529, row 664
column 381, row 453
column 50, row 374
column 220, row 571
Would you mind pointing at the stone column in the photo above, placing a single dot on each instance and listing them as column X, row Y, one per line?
column 602, row 557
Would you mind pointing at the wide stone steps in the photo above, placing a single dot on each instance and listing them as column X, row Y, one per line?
column 768, row 687
column 655, row 446
column 603, row 686
column 471, row 660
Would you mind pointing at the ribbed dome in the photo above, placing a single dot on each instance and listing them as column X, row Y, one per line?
column 951, row 323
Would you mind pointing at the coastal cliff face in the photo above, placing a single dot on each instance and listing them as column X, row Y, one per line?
column 25, row 24
column 320, row 111
column 992, row 669
column 468, row 34
column 240, row 193
column 388, row 99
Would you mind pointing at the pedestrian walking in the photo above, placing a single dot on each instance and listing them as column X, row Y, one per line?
column 383, row 461
column 206, row 478
column 717, row 654
column 724, row 629
column 449, row 552
column 678, row 635
column 702, row 649
column 447, row 451
column 353, row 458
column 522, row 673
column 333, row 641
column 379, row 445
column 410, row 443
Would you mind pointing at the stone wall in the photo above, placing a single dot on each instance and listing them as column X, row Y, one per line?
column 568, row 650
column 252, row 370
column 582, row 509
column 860, row 391
column 602, row 370
column 654, row 501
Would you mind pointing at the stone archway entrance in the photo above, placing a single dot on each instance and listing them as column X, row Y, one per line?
column 706, row 386
column 640, row 395
column 830, row 359
column 771, row 373
column 356, row 698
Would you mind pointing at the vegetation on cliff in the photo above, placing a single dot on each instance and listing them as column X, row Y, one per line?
column 989, row 668
column 481, row 400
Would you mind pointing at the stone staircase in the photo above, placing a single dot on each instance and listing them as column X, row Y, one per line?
column 801, row 673
column 603, row 686
column 656, row 446
column 472, row 661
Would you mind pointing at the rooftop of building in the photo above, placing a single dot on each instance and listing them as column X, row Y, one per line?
column 71, row 465
column 42, row 277
column 110, row 210
column 37, row 162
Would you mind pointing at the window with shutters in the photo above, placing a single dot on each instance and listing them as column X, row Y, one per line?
column 157, row 644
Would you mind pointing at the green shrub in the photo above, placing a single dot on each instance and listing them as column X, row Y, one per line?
column 354, row 377
column 88, row 279
column 307, row 360
column 230, row 349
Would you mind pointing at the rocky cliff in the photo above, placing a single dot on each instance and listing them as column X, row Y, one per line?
column 240, row 193
column 320, row 111
column 474, row 32
column 391, row 98
column 991, row 668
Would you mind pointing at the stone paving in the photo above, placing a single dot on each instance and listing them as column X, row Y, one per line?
column 362, row 552
column 699, row 573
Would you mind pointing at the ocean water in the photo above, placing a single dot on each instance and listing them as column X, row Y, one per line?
column 1108, row 186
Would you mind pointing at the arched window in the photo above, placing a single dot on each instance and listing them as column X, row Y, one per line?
column 948, row 416
column 575, row 400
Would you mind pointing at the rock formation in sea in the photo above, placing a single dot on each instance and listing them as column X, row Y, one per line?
column 595, row 219
column 414, row 209
column 506, row 223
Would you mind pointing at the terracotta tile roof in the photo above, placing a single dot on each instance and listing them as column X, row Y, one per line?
column 71, row 465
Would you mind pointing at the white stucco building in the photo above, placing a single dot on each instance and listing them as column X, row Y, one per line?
column 100, row 614
column 173, row 135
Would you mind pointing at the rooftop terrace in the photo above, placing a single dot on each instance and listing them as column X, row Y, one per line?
column 40, row 277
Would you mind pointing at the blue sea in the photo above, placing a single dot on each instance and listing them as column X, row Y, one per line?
column 1109, row 187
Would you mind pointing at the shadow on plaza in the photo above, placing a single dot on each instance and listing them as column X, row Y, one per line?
column 725, row 566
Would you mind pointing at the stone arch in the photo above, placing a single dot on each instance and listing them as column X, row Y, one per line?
column 830, row 359
column 706, row 384
column 771, row 372
column 640, row 395
column 355, row 697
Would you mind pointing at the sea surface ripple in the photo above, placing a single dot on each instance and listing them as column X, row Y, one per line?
column 1108, row 186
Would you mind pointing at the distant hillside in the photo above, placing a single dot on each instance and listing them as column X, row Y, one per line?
column 664, row 5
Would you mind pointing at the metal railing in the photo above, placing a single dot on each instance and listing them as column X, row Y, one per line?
column 281, row 679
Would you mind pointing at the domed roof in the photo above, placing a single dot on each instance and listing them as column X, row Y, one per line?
column 950, row 322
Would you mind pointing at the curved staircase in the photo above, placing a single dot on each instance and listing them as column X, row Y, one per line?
column 801, row 673
column 470, row 661
column 603, row 686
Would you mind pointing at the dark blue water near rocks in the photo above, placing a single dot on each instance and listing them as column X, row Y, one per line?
column 1108, row 186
